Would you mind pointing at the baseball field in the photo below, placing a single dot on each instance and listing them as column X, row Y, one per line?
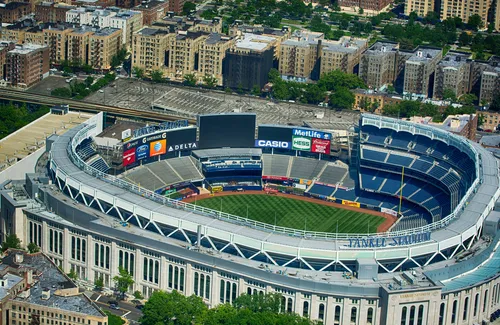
column 294, row 213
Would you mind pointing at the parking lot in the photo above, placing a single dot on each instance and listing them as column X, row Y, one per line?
column 185, row 102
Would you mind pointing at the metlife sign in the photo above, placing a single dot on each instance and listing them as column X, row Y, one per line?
column 301, row 143
column 311, row 134
column 272, row 144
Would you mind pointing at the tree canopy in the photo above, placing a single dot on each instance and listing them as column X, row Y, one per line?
column 11, row 241
column 123, row 281
column 14, row 117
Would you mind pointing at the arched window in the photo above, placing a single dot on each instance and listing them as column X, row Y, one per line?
column 157, row 272
column 441, row 313
column 202, row 285
column 249, row 291
column 354, row 314
column 412, row 315
column 369, row 316
column 403, row 315
column 336, row 317
column 150, row 270
column 466, row 308
column 96, row 254
column 321, row 311
column 131, row 267
column 196, row 283
column 107, row 256
column 207, row 287
column 454, row 312
column 145, row 269
column 485, row 303
column 181, row 284
column 170, row 276
column 283, row 303
column 228, row 291
column 476, row 304
column 222, row 291
column 84, row 250
column 234, row 292
column 420, row 315
column 305, row 309
column 101, row 256
column 289, row 307
column 176, row 278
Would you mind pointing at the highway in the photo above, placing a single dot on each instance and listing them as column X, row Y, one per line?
column 76, row 105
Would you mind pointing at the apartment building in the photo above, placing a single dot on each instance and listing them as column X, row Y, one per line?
column 127, row 20
column 489, row 79
column 14, row 11
column 380, row 64
column 79, row 44
column 419, row 70
column 34, row 289
column 343, row 55
column 279, row 35
column 184, row 54
column 56, row 38
column 248, row 63
column 464, row 124
column 464, row 9
column 176, row 5
column 5, row 47
column 491, row 120
column 15, row 32
column 149, row 49
column 454, row 72
column 27, row 64
column 207, row 26
column 368, row 100
column 34, row 35
column 212, row 53
column 374, row 5
column 420, row 7
column 104, row 44
column 299, row 54
column 152, row 11
column 50, row 12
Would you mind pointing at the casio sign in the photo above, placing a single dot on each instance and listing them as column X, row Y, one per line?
column 272, row 144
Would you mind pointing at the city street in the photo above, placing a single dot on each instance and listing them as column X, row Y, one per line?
column 127, row 309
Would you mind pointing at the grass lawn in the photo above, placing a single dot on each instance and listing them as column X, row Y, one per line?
column 292, row 213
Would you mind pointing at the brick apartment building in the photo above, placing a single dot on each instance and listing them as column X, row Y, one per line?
column 375, row 5
column 152, row 11
column 50, row 12
column 13, row 11
column 27, row 64
column 5, row 47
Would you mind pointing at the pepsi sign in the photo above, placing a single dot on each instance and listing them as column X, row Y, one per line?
column 312, row 134
column 272, row 144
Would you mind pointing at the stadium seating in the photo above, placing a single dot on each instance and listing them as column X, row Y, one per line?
column 85, row 150
column 306, row 168
column 99, row 164
column 333, row 174
column 162, row 170
column 275, row 165
column 321, row 190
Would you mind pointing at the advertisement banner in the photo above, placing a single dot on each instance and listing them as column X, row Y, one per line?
column 157, row 148
column 311, row 134
column 350, row 203
column 320, row 146
column 272, row 144
column 128, row 157
column 142, row 152
column 277, row 178
column 126, row 134
column 183, row 146
column 301, row 143
column 389, row 211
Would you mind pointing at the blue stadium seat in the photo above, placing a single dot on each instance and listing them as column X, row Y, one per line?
column 322, row 190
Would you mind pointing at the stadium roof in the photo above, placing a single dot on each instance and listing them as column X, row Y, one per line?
column 228, row 152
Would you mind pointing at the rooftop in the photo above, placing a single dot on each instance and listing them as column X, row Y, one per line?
column 7, row 282
column 51, row 278
column 26, row 48
column 106, row 31
column 304, row 38
column 452, row 123
column 424, row 54
column 455, row 59
column 379, row 48
column 149, row 5
column 147, row 31
column 254, row 42
column 346, row 45
column 215, row 38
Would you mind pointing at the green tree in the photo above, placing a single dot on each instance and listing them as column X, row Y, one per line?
column 491, row 28
column 228, row 90
column 391, row 89
column 259, row 303
column 464, row 39
column 115, row 61
column 281, row 91
column 11, row 241
column 209, row 81
column 72, row 274
column 449, row 94
column 164, row 308
column 475, row 22
column 33, row 248
column 188, row 8
column 114, row 319
column 89, row 81
column 138, row 295
column 138, row 72
column 361, row 11
column 61, row 92
column 190, row 79
column 274, row 75
column 99, row 283
column 468, row 99
column 336, row 79
column 314, row 94
column 123, row 281
column 495, row 103
column 256, row 90
column 342, row 99
column 157, row 75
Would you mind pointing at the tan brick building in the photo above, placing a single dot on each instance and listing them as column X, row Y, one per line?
column 343, row 55
column 454, row 72
column 27, row 64
column 103, row 45
column 56, row 38
column 419, row 69
column 298, row 55
column 375, row 5
column 149, row 49
column 13, row 11
column 184, row 53
column 34, row 289
column 373, row 102
column 491, row 120
column 79, row 45
column 489, row 79
column 420, row 7
column 212, row 53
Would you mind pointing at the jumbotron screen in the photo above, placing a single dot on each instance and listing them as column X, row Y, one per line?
column 227, row 130
column 275, row 133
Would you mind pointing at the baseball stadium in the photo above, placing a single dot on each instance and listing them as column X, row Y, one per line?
column 395, row 223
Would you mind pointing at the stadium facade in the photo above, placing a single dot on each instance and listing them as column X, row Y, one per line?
column 441, row 266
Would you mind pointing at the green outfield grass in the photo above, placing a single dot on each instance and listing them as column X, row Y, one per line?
column 294, row 213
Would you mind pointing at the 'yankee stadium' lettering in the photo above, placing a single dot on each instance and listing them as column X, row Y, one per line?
column 312, row 134
column 376, row 242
